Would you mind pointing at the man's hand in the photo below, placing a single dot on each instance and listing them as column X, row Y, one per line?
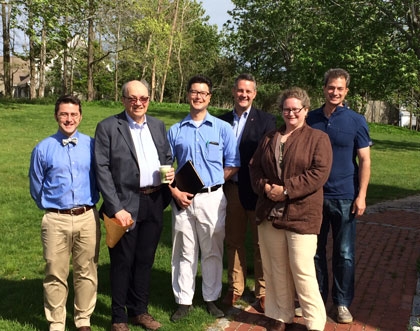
column 359, row 206
column 123, row 217
column 183, row 199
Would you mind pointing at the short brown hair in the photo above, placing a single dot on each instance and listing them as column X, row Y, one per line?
column 294, row 92
column 337, row 73
column 68, row 99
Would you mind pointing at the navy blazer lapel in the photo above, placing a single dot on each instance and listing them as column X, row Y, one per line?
column 154, row 131
column 124, row 129
column 250, row 121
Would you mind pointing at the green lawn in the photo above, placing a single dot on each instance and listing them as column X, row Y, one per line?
column 395, row 174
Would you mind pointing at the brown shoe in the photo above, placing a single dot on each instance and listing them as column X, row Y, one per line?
column 276, row 325
column 230, row 298
column 119, row 327
column 84, row 328
column 146, row 321
column 259, row 305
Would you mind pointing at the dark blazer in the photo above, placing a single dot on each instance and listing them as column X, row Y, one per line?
column 256, row 126
column 117, row 167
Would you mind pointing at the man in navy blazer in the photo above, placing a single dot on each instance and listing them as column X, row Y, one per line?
column 249, row 125
column 129, row 148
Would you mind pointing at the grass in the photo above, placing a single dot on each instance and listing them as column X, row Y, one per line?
column 395, row 174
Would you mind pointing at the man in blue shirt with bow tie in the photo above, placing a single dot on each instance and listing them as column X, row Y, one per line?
column 62, row 182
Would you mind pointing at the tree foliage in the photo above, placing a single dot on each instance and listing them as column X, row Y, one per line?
column 294, row 42
column 93, row 47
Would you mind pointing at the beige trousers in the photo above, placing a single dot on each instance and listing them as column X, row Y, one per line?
column 289, row 268
column 237, row 221
column 63, row 237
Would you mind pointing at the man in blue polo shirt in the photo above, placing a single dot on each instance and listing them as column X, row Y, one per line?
column 199, row 222
column 345, row 190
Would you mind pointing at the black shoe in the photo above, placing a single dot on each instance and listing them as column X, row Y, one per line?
column 259, row 305
column 213, row 310
column 181, row 312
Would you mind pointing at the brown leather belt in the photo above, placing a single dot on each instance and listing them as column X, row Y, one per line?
column 210, row 189
column 149, row 189
column 74, row 211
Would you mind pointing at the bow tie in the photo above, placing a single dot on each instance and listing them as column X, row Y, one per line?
column 72, row 140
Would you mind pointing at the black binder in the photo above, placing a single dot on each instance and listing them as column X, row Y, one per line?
column 187, row 179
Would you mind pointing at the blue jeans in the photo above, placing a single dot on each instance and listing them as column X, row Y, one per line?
column 337, row 213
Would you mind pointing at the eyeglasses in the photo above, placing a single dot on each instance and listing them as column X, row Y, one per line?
column 71, row 115
column 202, row 94
column 133, row 100
column 293, row 110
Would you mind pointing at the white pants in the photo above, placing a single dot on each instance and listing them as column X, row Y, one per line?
column 289, row 268
column 199, row 227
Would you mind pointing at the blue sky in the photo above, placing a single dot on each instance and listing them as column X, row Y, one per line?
column 217, row 10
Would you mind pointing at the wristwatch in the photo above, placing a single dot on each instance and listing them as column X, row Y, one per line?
column 285, row 191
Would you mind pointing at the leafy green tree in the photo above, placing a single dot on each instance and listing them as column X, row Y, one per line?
column 294, row 42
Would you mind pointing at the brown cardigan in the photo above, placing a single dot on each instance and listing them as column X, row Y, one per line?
column 307, row 159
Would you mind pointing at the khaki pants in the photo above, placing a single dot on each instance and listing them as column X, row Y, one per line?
column 65, row 236
column 288, row 262
column 237, row 221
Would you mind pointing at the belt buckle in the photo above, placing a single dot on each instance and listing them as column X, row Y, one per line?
column 77, row 211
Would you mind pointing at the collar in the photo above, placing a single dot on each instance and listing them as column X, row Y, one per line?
column 133, row 124
column 244, row 114
column 207, row 119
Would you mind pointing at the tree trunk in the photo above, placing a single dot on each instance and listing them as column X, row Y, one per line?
column 168, row 58
column 43, row 60
column 5, row 15
column 149, row 45
column 116, row 59
column 180, row 68
column 65, row 76
column 32, row 59
column 153, row 79
column 90, row 59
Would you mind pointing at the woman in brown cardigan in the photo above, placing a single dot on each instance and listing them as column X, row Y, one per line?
column 288, row 171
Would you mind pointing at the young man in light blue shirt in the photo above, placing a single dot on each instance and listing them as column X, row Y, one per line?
column 199, row 224
column 62, row 182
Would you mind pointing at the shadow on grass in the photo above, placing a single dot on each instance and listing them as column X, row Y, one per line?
column 378, row 193
column 388, row 145
column 22, row 301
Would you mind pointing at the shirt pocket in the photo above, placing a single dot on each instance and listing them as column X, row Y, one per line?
column 214, row 151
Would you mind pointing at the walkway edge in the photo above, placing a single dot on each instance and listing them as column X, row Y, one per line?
column 415, row 312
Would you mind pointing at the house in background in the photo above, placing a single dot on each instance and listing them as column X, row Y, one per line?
column 20, row 77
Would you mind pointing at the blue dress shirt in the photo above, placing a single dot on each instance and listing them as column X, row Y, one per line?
column 62, row 177
column 211, row 146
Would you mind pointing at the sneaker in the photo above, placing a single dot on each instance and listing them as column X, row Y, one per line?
column 298, row 312
column 343, row 315
column 181, row 312
column 146, row 321
column 213, row 310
